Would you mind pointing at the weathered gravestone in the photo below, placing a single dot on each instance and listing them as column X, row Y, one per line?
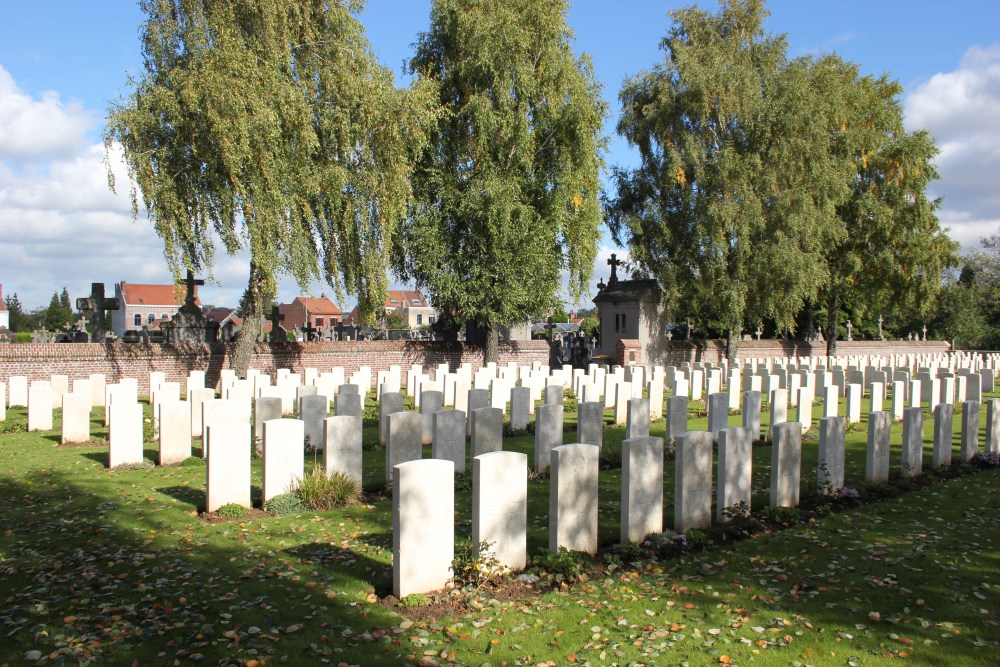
column 520, row 408
column 500, row 506
column 40, row 406
column 17, row 388
column 313, row 413
column 403, row 442
column 590, row 423
column 751, row 412
column 342, row 446
column 125, row 437
column 693, row 481
column 265, row 409
column 477, row 398
column 227, row 465
column 642, row 488
column 913, row 442
column 75, row 418
column 390, row 402
column 174, row 431
column 992, row 425
column 449, row 438
column 487, row 431
column 718, row 413
column 573, row 498
column 970, row 430
column 943, row 419
column 637, row 419
column 430, row 402
column 677, row 417
column 735, row 466
column 423, row 520
column 548, row 433
column 283, row 458
column 786, row 464
column 830, row 467
column 877, row 455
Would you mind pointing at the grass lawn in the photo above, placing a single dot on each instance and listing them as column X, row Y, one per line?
column 117, row 567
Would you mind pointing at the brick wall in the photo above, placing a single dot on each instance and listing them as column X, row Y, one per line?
column 117, row 360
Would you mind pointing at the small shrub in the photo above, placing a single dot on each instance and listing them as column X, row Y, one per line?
column 324, row 493
column 286, row 503
column 570, row 401
column 630, row 552
column 370, row 445
column 509, row 432
column 848, row 496
column 14, row 426
column 773, row 515
column 232, row 510
column 739, row 523
column 415, row 600
column 472, row 570
column 986, row 460
column 141, row 465
column 149, row 433
column 670, row 545
column 193, row 462
column 611, row 456
column 370, row 416
column 561, row 568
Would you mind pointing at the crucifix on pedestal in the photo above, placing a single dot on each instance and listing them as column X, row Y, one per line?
column 850, row 326
column 191, row 281
column 613, row 263
column 276, row 319
column 880, row 336
column 96, row 304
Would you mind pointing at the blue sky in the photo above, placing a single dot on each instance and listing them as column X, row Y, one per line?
column 63, row 61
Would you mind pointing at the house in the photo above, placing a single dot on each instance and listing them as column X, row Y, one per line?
column 142, row 305
column 4, row 313
column 412, row 305
column 306, row 311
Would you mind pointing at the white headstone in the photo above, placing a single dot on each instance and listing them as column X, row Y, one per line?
column 125, row 438
column 282, row 456
column 735, row 465
column 75, row 417
column 228, row 465
column 642, row 488
column 500, row 506
column 423, row 522
column 693, row 481
column 573, row 498
column 174, row 431
column 40, row 406
column 342, row 446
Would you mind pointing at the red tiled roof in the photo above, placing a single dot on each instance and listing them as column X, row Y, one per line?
column 320, row 306
column 136, row 294
column 404, row 299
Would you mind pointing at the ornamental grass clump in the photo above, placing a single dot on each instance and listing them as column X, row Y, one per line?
column 321, row 492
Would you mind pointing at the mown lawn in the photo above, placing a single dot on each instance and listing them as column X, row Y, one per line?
column 117, row 566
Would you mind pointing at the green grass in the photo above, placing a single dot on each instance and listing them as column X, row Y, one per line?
column 116, row 566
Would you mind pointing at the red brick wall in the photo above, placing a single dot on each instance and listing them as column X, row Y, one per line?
column 117, row 360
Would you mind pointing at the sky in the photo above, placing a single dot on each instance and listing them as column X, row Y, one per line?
column 63, row 62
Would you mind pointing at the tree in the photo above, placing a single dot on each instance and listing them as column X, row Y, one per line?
column 893, row 253
column 394, row 320
column 16, row 314
column 506, row 192
column 268, row 125
column 58, row 314
column 733, row 201
column 559, row 315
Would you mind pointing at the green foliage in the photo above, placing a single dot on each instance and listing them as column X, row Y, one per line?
column 11, row 425
column 58, row 314
column 611, row 455
column 570, row 401
column 269, row 126
column 776, row 516
column 232, row 510
column 394, row 319
column 735, row 189
column 370, row 416
column 415, row 600
column 559, row 315
column 591, row 328
column 507, row 190
column 149, row 433
column 286, row 503
column 141, row 465
column 561, row 568
column 18, row 319
column 738, row 523
column 320, row 492
column 671, row 545
column 474, row 568
column 193, row 462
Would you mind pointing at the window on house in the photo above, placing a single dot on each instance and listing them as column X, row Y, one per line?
column 138, row 320
column 623, row 322
column 319, row 322
column 164, row 316
column 393, row 302
column 430, row 319
column 420, row 320
column 150, row 318
column 617, row 322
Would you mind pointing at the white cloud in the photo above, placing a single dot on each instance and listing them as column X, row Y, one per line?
column 32, row 128
column 959, row 109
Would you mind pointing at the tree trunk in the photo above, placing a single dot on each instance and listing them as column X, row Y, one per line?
column 492, row 350
column 732, row 346
column 832, row 307
column 247, row 336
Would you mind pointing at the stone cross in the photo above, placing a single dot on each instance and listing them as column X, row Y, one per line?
column 880, row 336
column 925, row 333
column 758, row 332
column 849, row 327
column 276, row 319
column 309, row 332
column 191, row 281
column 613, row 263
column 96, row 304
column 670, row 334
